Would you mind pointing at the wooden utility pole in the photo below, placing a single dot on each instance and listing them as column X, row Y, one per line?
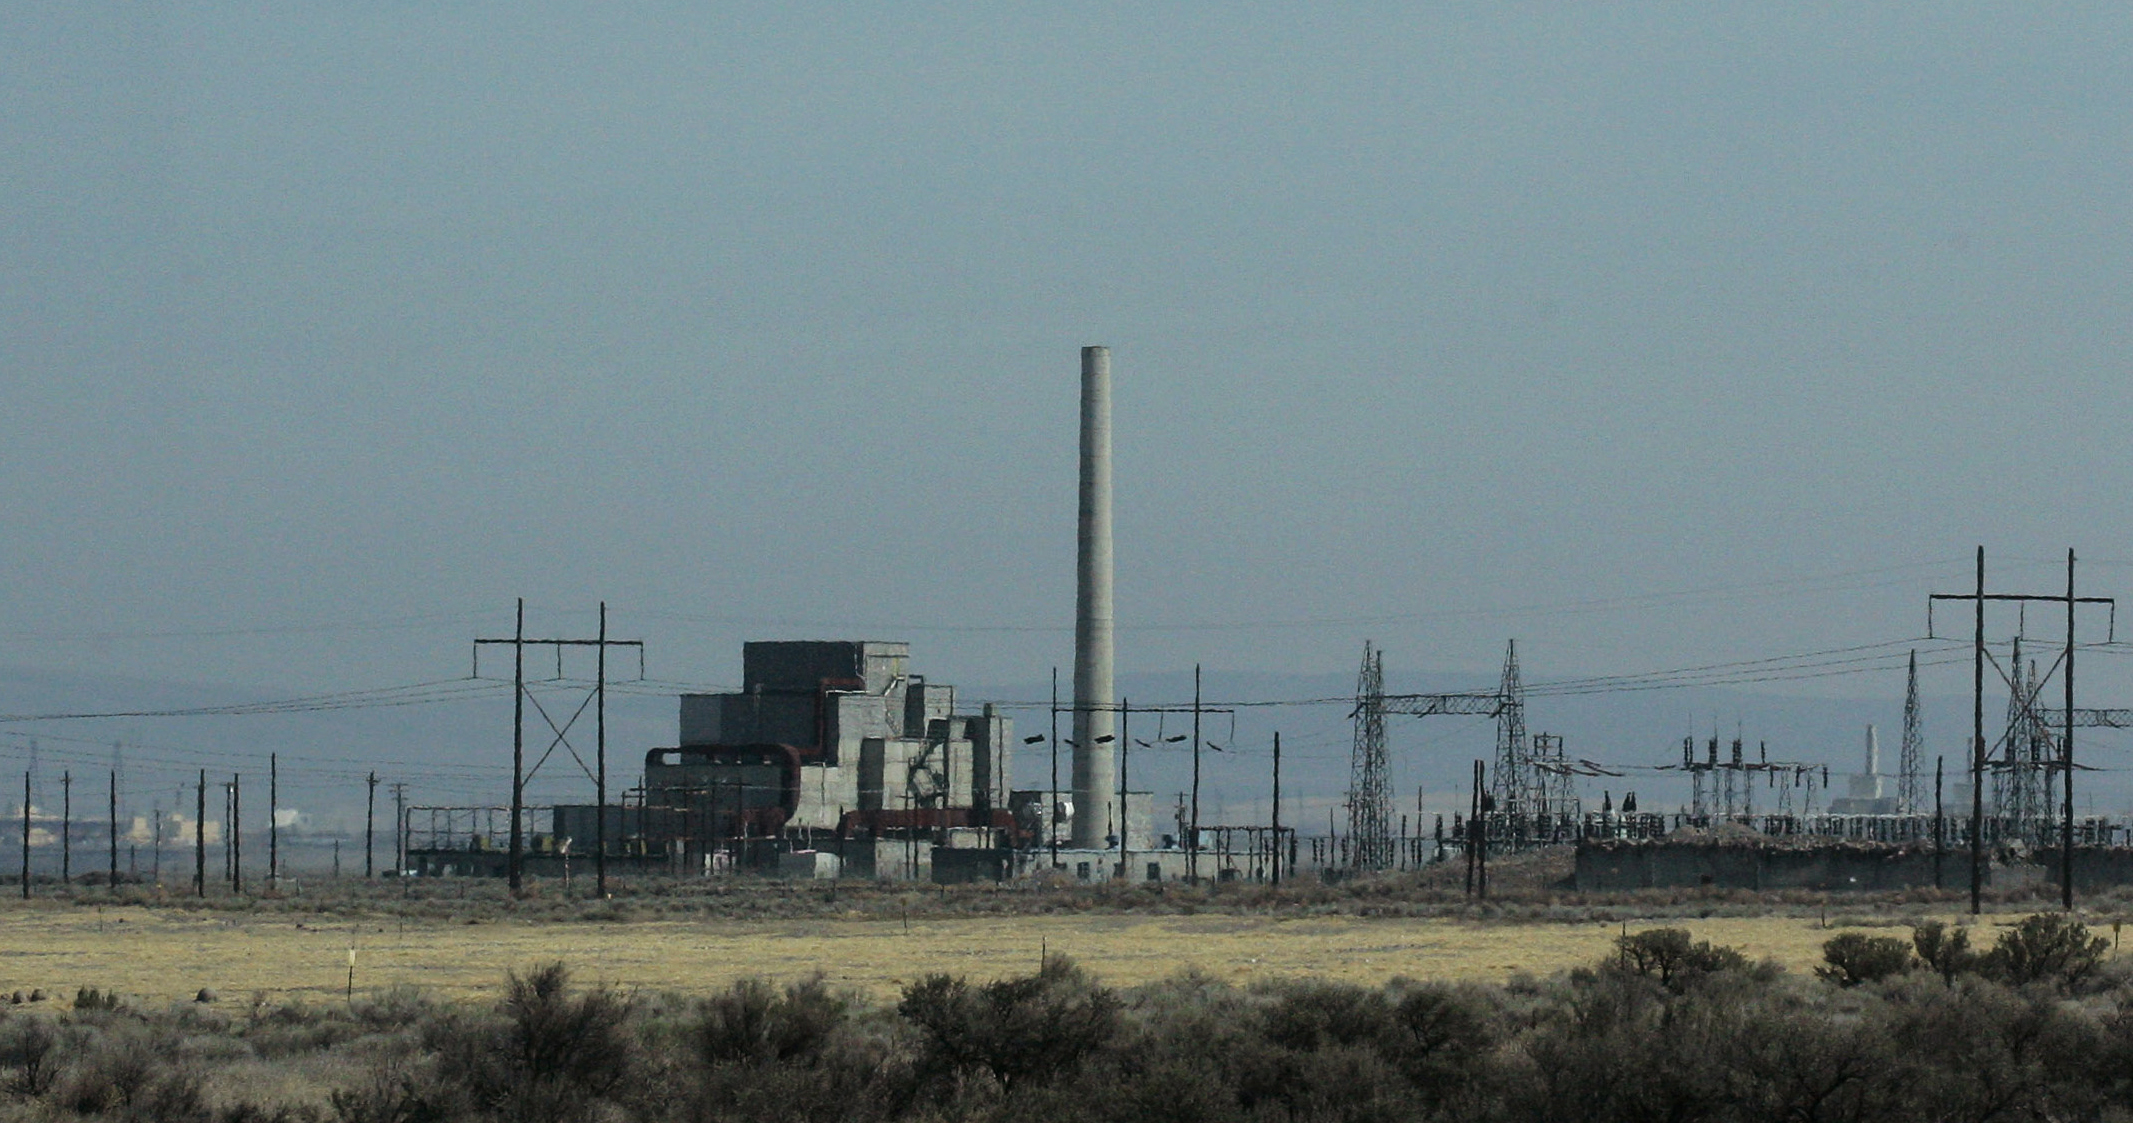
column 229, row 868
column 114, row 872
column 1051, row 808
column 370, row 830
column 25, row 834
column 518, row 642
column 518, row 752
column 1977, row 749
column 1977, row 722
column 1277, row 806
column 1481, row 846
column 1473, row 812
column 273, row 825
column 1125, row 758
column 1192, row 842
column 600, row 726
column 199, row 836
column 66, row 828
column 400, row 829
column 237, row 834
column 2066, row 755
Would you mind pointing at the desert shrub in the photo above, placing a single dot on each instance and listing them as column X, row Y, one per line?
column 397, row 1007
column 752, row 1023
column 1672, row 957
column 1018, row 1031
column 90, row 998
column 1313, row 1015
column 29, row 1047
column 1618, row 1044
column 2047, row 947
column 1806, row 1063
column 246, row 1111
column 391, row 1094
column 1442, row 1035
column 549, row 1055
column 129, row 1076
column 1944, row 950
column 1852, row 958
column 1981, row 1051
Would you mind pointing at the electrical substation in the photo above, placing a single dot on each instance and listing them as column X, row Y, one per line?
column 840, row 759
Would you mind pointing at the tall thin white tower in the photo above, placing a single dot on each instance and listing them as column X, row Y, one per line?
column 1095, row 723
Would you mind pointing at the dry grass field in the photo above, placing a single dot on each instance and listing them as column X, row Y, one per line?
column 163, row 953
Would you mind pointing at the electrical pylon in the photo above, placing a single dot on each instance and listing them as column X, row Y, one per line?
column 1515, row 787
column 1369, row 789
column 1910, row 781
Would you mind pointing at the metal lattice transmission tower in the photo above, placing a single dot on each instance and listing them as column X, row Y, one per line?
column 2023, row 776
column 1369, row 788
column 1910, row 778
column 1516, row 783
column 2013, row 789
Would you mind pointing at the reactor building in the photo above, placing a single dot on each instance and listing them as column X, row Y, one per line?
column 833, row 745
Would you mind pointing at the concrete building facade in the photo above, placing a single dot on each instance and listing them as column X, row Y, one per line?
column 830, row 738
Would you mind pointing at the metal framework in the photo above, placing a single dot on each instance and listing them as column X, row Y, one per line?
column 1910, row 775
column 1723, row 790
column 1532, row 791
column 1369, row 789
column 1516, row 784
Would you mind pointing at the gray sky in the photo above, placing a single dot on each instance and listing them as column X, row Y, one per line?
column 327, row 330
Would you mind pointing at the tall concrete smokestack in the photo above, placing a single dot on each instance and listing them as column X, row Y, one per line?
column 1095, row 774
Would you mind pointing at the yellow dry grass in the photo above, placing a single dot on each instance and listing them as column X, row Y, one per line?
column 169, row 954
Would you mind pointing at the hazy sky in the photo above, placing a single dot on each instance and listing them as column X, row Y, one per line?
column 328, row 330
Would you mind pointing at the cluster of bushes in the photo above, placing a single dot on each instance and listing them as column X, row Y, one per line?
column 2046, row 948
column 2038, row 1026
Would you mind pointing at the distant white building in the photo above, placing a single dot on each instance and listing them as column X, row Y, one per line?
column 1863, row 790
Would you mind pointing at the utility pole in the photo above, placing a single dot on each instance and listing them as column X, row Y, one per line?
column 26, row 834
column 2066, row 762
column 400, row 829
column 1481, row 863
column 273, row 824
column 237, row 834
column 1977, row 719
column 1192, row 843
column 518, row 757
column 1977, row 750
column 370, row 830
column 1277, row 806
column 229, row 867
column 66, row 827
column 113, row 881
column 1473, row 811
column 518, row 643
column 1125, row 759
column 600, row 717
column 1051, row 811
column 200, row 836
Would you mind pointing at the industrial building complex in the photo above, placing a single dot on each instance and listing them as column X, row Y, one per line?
column 837, row 758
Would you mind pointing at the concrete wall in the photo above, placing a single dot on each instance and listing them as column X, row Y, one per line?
column 1661, row 864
